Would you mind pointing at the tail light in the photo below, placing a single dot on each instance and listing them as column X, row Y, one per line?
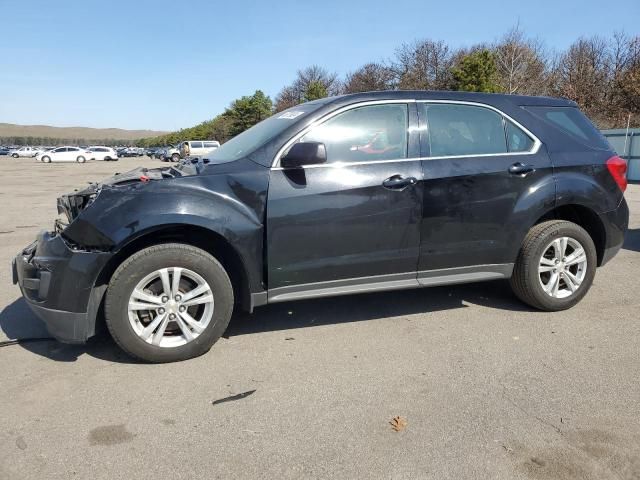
column 618, row 169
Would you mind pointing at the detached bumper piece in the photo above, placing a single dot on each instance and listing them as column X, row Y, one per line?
column 57, row 284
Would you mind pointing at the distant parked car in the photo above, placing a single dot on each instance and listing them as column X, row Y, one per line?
column 102, row 153
column 171, row 154
column 133, row 152
column 5, row 151
column 25, row 152
column 64, row 154
column 198, row 148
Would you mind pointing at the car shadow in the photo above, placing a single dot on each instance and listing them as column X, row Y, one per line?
column 24, row 329
column 19, row 323
column 373, row 306
column 632, row 240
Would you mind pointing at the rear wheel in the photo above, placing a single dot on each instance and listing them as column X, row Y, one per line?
column 168, row 302
column 555, row 267
column 107, row 159
column 81, row 159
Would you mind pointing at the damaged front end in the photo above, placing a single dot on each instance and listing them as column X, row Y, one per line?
column 58, row 273
column 71, row 204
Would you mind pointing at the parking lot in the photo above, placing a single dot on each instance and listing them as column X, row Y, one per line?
column 488, row 387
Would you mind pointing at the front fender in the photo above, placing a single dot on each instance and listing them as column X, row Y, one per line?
column 231, row 206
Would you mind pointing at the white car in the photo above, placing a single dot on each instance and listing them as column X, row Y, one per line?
column 25, row 152
column 102, row 153
column 197, row 148
column 64, row 154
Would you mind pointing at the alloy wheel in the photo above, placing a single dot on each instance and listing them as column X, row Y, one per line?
column 170, row 307
column 562, row 267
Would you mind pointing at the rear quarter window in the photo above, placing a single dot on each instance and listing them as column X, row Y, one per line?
column 573, row 122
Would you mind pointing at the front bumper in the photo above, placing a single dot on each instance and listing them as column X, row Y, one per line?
column 59, row 284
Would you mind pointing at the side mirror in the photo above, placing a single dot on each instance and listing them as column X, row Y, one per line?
column 305, row 153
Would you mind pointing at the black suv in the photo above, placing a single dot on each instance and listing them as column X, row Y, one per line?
column 358, row 193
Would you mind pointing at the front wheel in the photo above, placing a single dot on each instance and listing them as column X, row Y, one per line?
column 175, row 157
column 555, row 267
column 81, row 159
column 46, row 159
column 15, row 155
column 168, row 302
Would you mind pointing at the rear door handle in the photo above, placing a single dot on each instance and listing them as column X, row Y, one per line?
column 520, row 168
column 398, row 182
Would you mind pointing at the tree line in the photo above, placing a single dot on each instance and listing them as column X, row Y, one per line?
column 52, row 141
column 602, row 75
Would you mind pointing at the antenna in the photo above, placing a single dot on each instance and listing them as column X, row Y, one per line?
column 626, row 139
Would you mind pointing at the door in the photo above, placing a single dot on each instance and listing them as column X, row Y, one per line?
column 72, row 154
column 478, row 167
column 356, row 217
column 196, row 149
column 58, row 154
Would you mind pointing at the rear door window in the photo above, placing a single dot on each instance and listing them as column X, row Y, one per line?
column 464, row 130
column 196, row 144
column 573, row 122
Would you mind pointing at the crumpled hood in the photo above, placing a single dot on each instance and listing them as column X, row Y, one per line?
column 71, row 204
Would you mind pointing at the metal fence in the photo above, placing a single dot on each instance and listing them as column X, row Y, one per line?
column 627, row 144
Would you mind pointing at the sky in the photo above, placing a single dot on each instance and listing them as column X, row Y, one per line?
column 166, row 65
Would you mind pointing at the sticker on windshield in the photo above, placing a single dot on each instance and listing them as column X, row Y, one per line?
column 291, row 115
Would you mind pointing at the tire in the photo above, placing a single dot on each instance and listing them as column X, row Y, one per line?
column 15, row 155
column 123, row 322
column 81, row 159
column 175, row 157
column 529, row 283
column 107, row 159
column 46, row 159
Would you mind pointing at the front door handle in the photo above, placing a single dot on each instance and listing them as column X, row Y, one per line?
column 520, row 168
column 398, row 182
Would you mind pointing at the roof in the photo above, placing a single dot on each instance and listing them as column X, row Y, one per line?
column 487, row 98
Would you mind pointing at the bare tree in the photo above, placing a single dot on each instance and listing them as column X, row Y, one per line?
column 423, row 65
column 308, row 77
column 625, row 73
column 582, row 75
column 287, row 98
column 521, row 64
column 370, row 77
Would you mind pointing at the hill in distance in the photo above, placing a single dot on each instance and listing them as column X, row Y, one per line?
column 12, row 130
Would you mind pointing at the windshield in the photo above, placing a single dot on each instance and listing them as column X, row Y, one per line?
column 252, row 139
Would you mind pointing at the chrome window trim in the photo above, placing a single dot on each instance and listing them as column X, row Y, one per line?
column 275, row 164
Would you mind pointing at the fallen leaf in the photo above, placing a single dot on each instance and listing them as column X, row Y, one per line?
column 398, row 423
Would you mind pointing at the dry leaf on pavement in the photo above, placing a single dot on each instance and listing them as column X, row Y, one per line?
column 398, row 423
